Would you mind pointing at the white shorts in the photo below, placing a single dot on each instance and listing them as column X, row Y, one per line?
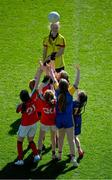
column 46, row 127
column 28, row 131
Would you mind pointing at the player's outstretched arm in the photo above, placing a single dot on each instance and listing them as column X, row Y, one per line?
column 52, row 74
column 37, row 77
column 77, row 79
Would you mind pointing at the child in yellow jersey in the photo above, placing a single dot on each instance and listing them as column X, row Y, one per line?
column 54, row 45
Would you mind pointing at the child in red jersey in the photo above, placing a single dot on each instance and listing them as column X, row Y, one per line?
column 28, row 124
column 47, row 104
column 45, row 85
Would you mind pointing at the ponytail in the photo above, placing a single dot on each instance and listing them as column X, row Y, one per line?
column 82, row 102
column 62, row 102
column 63, row 87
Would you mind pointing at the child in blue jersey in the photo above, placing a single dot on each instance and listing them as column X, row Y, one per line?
column 78, row 109
column 64, row 111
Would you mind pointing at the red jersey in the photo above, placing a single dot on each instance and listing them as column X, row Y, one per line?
column 48, row 114
column 48, row 86
column 30, row 116
column 35, row 98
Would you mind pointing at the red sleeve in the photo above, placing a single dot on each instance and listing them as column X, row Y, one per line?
column 19, row 108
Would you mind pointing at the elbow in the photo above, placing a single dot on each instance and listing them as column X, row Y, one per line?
column 76, row 85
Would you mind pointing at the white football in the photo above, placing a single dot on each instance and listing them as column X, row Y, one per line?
column 53, row 17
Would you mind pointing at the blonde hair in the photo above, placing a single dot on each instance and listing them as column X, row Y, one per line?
column 49, row 97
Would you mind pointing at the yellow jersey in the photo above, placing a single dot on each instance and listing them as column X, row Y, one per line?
column 71, row 88
column 54, row 46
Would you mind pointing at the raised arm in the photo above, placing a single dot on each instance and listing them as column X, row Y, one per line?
column 52, row 74
column 39, row 71
column 73, row 88
column 37, row 77
column 77, row 79
column 38, row 74
column 44, row 53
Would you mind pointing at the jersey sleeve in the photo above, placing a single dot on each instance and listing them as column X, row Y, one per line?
column 19, row 108
column 72, row 90
column 56, row 85
column 62, row 42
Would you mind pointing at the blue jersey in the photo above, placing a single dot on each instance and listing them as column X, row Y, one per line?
column 77, row 118
column 64, row 119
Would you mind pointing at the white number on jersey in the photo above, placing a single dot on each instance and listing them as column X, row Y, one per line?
column 31, row 109
column 48, row 111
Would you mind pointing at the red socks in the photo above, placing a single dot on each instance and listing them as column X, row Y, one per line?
column 20, row 150
column 33, row 147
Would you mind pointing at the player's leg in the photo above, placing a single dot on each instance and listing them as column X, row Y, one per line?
column 30, row 135
column 78, row 145
column 53, row 141
column 61, row 133
column 40, row 140
column 21, row 134
column 70, row 138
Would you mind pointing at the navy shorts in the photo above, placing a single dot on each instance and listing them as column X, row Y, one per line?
column 78, row 123
column 64, row 123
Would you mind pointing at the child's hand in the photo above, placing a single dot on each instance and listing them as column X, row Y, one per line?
column 41, row 65
column 77, row 66
column 49, row 68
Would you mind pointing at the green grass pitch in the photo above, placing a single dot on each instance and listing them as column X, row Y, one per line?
column 87, row 27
